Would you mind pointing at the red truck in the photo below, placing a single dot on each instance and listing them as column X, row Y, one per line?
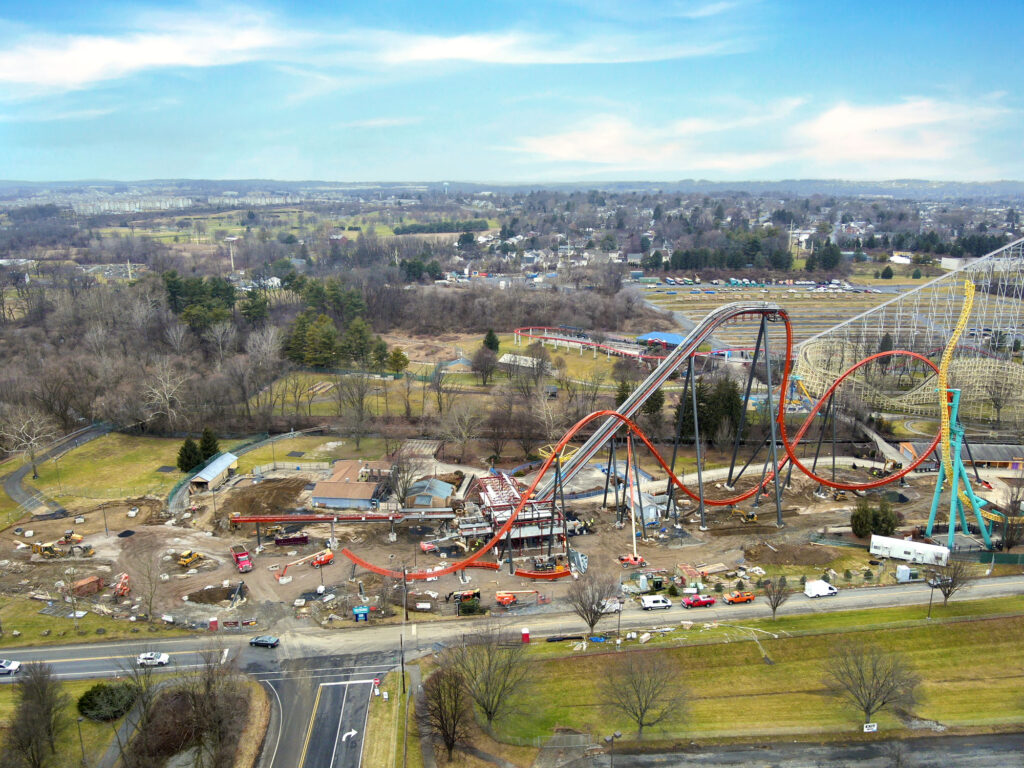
column 241, row 558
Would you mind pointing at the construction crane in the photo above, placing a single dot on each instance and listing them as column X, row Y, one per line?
column 319, row 559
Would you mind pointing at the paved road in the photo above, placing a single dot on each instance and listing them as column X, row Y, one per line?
column 321, row 701
column 13, row 482
column 1001, row 751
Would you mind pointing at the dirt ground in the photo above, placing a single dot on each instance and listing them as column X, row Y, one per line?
column 434, row 349
column 148, row 554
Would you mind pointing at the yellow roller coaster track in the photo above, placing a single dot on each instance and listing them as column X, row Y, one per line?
column 943, row 387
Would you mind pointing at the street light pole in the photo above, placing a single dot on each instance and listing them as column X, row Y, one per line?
column 106, row 531
column 81, row 742
column 610, row 741
column 931, row 596
column 60, row 486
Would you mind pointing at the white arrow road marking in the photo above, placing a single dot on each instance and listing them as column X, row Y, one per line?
column 353, row 732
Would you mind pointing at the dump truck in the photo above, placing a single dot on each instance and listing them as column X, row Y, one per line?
column 241, row 557
column 188, row 557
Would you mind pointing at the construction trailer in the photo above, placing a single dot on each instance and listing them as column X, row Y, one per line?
column 912, row 551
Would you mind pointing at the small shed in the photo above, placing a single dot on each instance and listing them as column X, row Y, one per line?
column 346, row 495
column 217, row 470
column 429, row 493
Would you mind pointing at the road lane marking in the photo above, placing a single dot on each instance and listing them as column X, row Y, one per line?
column 341, row 715
column 111, row 658
column 309, row 730
column 280, row 723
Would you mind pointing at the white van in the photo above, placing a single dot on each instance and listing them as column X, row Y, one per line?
column 819, row 588
column 651, row 602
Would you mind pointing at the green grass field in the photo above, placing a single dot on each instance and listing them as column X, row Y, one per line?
column 734, row 693
column 96, row 736
column 114, row 466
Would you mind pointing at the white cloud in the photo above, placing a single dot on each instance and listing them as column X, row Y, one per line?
column 43, row 116
column 688, row 144
column 516, row 48
column 381, row 122
column 75, row 61
column 912, row 130
column 916, row 137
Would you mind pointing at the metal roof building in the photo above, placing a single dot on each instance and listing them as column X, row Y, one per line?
column 217, row 470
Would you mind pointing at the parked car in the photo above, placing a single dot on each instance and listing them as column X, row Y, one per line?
column 9, row 667
column 698, row 601
column 652, row 602
column 153, row 659
column 739, row 597
column 265, row 641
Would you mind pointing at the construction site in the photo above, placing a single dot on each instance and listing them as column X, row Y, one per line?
column 362, row 540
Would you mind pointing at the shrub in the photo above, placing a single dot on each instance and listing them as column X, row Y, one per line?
column 107, row 701
column 719, row 588
column 887, row 273
column 740, row 586
column 803, row 581
column 868, row 575
column 471, row 608
column 673, row 590
column 917, row 274
column 847, row 574
column 782, row 580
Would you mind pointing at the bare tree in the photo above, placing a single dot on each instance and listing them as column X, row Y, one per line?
column 644, row 687
column 1013, row 507
column 588, row 593
column 221, row 338
column 385, row 596
column 460, row 425
column 494, row 669
column 776, row 593
column 484, row 364
column 39, row 718
column 177, row 338
column 217, row 695
column 999, row 391
column 954, row 577
column 443, row 388
column 165, row 389
column 445, row 713
column 870, row 678
column 26, row 431
column 352, row 395
column 405, row 471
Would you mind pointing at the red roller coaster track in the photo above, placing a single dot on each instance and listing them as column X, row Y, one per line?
column 473, row 561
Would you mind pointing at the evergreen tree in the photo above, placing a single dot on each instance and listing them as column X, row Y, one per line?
column 295, row 341
column 491, row 340
column 357, row 344
column 321, row 350
column 887, row 273
column 208, row 445
column 622, row 392
column 189, row 455
column 397, row 361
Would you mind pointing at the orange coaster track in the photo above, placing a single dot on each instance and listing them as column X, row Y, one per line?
column 474, row 560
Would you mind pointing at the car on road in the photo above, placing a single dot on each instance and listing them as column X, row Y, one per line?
column 9, row 667
column 265, row 641
column 698, row 601
column 153, row 659
column 739, row 597
column 654, row 602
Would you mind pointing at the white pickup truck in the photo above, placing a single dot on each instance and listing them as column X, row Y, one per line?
column 819, row 588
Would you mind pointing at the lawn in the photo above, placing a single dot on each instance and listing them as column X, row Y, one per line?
column 22, row 615
column 96, row 736
column 732, row 692
column 385, row 740
column 114, row 466
column 315, row 449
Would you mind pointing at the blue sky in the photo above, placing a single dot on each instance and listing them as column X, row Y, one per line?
column 577, row 90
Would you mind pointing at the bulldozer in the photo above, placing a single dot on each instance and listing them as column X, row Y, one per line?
column 838, row 494
column 189, row 557
column 81, row 550
column 49, row 549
